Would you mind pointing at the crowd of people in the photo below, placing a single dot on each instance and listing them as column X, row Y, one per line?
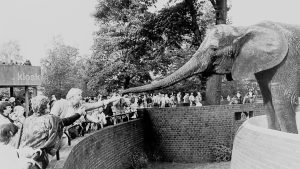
column 30, row 138
column 163, row 100
column 238, row 98
column 52, row 123
column 27, row 62
column 30, row 142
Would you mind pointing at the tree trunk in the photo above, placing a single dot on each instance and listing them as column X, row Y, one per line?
column 195, row 26
column 126, row 82
column 221, row 11
column 213, row 85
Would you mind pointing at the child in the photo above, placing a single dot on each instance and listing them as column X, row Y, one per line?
column 18, row 116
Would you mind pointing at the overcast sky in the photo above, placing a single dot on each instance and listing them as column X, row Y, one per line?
column 34, row 23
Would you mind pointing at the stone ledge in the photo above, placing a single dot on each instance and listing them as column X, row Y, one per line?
column 256, row 146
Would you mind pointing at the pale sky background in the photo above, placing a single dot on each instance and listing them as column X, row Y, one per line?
column 34, row 23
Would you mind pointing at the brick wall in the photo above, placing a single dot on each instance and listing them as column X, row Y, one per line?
column 182, row 134
column 109, row 148
column 188, row 134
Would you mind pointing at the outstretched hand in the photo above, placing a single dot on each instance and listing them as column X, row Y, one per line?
column 81, row 110
column 115, row 98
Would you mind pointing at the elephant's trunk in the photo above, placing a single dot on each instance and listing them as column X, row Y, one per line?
column 193, row 66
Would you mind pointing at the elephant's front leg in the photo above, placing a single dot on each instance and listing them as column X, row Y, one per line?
column 282, row 98
column 268, row 105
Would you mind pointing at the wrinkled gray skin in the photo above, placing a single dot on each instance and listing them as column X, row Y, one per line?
column 267, row 51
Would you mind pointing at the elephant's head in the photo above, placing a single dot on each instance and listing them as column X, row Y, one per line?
column 241, row 51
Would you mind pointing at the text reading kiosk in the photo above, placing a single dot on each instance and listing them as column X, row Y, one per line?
column 20, row 76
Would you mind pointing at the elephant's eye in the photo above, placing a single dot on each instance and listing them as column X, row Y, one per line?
column 214, row 48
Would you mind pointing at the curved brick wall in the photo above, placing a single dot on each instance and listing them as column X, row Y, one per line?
column 257, row 147
column 188, row 134
column 181, row 134
column 108, row 148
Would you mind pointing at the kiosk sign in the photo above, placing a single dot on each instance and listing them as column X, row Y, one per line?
column 19, row 75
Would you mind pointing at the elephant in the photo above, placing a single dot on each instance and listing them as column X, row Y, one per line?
column 267, row 51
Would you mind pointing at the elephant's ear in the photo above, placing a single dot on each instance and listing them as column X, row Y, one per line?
column 264, row 49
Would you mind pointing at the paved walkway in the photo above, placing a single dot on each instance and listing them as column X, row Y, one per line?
column 222, row 165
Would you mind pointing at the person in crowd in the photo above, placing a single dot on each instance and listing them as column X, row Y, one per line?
column 108, row 113
column 168, row 100
column 66, row 108
column 18, row 116
column 239, row 97
column 246, row 99
column 198, row 103
column 228, row 98
column 99, row 97
column 27, row 62
column 11, row 157
column 251, row 95
column 52, row 101
column 101, row 117
column 162, row 100
column 186, row 98
column 133, row 107
column 179, row 98
column 199, row 96
column 198, row 99
column 140, row 101
column 119, row 108
column 12, row 100
column 5, row 110
column 149, row 101
column 173, row 100
column 234, row 100
column 145, row 104
column 156, row 100
column 222, row 98
column 43, row 131
column 192, row 100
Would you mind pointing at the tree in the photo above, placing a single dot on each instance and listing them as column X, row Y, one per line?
column 135, row 48
column 10, row 52
column 213, row 90
column 113, row 65
column 59, row 69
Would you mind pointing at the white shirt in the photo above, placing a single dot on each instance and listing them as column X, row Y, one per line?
column 4, row 120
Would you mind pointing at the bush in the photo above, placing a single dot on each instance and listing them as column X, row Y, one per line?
column 221, row 153
column 138, row 159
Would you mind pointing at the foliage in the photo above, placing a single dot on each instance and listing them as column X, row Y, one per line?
column 231, row 87
column 10, row 52
column 138, row 159
column 221, row 153
column 111, row 65
column 61, row 69
column 134, row 46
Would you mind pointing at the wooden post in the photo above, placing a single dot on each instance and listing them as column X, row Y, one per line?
column 34, row 91
column 11, row 91
column 26, row 101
